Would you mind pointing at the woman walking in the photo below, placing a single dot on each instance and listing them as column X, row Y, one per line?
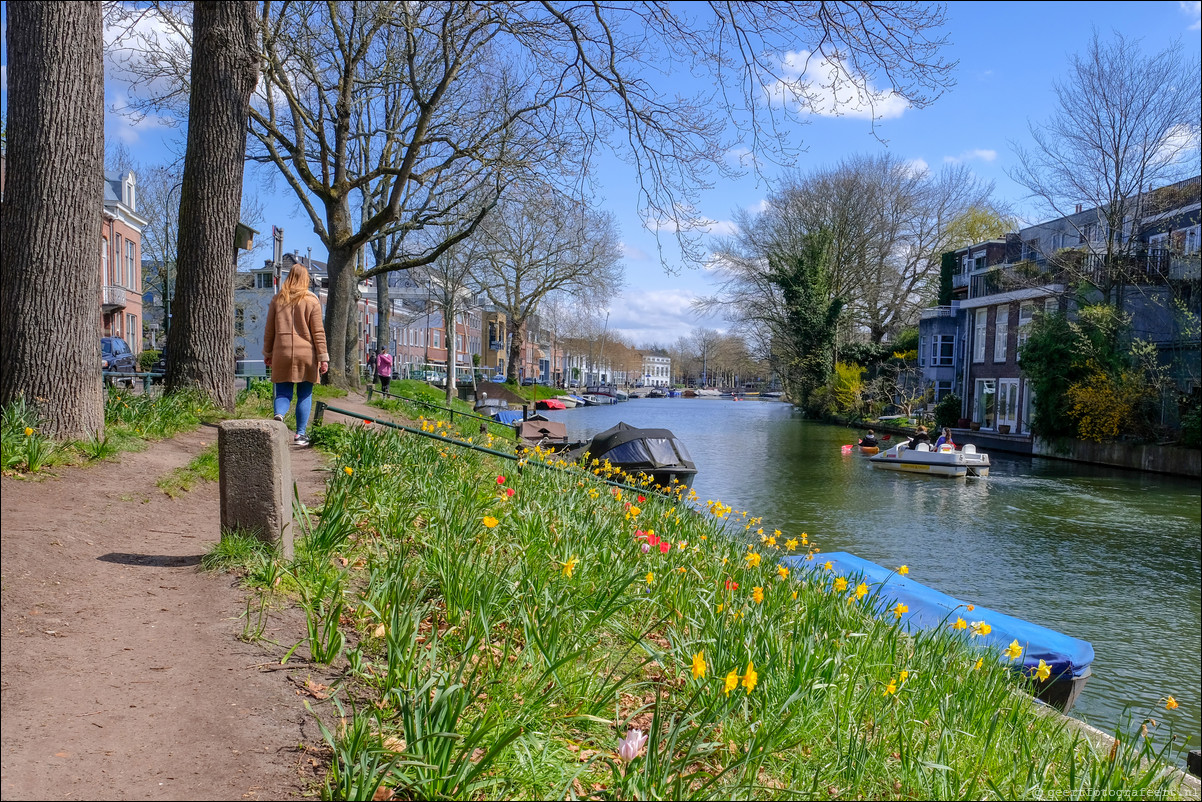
column 294, row 347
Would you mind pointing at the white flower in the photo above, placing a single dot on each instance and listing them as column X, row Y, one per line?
column 630, row 746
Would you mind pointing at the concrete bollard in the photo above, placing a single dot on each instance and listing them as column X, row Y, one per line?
column 256, row 480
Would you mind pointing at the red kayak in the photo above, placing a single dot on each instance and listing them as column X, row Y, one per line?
column 549, row 403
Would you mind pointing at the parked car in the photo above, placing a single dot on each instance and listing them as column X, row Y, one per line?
column 498, row 379
column 116, row 357
column 528, row 381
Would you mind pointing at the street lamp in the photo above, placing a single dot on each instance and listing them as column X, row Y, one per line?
column 167, row 267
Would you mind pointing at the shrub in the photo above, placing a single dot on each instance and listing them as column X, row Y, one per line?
column 146, row 360
column 947, row 411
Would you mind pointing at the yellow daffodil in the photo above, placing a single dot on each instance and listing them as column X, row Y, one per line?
column 1014, row 650
column 782, row 572
column 980, row 629
column 650, row 577
column 960, row 624
column 840, row 584
column 903, row 676
column 732, row 682
column 891, row 688
column 348, row 470
column 771, row 541
column 1043, row 672
column 828, row 566
column 905, row 569
column 753, row 559
column 900, row 610
column 490, row 521
column 699, row 665
column 757, row 595
column 791, row 543
column 794, row 595
column 980, row 662
column 28, row 431
column 861, row 590
column 720, row 607
column 750, row 678
column 776, row 533
column 569, row 567
column 1171, row 704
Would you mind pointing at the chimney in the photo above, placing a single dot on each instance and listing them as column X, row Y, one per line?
column 1078, row 210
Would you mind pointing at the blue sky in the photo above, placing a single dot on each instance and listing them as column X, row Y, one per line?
column 1009, row 54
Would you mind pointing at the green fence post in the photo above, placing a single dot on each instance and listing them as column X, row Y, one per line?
column 146, row 383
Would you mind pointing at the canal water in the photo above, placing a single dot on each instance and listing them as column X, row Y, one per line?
column 1108, row 556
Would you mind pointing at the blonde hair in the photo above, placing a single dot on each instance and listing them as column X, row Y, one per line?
column 295, row 287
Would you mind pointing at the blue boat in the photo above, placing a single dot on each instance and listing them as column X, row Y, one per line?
column 1069, row 658
column 507, row 416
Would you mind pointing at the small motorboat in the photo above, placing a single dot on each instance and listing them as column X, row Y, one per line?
column 655, row 393
column 549, row 403
column 597, row 400
column 947, row 461
column 1068, row 658
column 652, row 452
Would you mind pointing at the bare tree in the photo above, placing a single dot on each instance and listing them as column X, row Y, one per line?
column 54, row 164
column 225, row 68
column 1126, row 123
column 538, row 243
column 463, row 88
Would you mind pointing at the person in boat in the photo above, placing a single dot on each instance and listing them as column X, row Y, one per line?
column 944, row 438
column 920, row 437
column 869, row 440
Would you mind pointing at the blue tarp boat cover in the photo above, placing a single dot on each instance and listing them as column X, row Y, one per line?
column 931, row 609
column 507, row 416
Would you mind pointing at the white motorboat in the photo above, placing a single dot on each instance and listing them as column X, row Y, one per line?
column 567, row 400
column 947, row 461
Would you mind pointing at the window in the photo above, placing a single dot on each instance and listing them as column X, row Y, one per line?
column 116, row 277
column 978, row 335
column 131, row 330
column 104, row 260
column 434, row 339
column 1051, row 306
column 1001, row 323
column 131, row 266
column 943, row 350
column 1190, row 244
column 984, row 403
column 1026, row 314
column 239, row 320
column 264, row 281
column 979, row 263
column 942, row 389
column 922, row 352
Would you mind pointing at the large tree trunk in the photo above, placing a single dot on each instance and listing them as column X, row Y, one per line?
column 225, row 68
column 383, row 303
column 49, row 257
column 515, row 349
column 340, row 313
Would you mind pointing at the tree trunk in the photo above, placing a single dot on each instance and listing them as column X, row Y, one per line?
column 383, row 304
column 225, row 68
column 49, row 257
column 515, row 349
column 340, row 312
column 448, row 325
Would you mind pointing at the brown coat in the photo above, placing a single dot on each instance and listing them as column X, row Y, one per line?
column 295, row 341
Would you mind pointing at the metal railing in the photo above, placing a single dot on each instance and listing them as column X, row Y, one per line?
column 112, row 295
column 938, row 311
column 441, row 408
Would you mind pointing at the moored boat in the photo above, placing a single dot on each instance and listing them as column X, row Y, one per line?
column 947, row 461
column 549, row 403
column 1068, row 659
column 654, row 452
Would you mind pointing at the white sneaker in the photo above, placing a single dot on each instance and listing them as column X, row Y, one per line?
column 301, row 440
column 280, row 418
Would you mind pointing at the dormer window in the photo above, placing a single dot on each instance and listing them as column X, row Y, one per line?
column 128, row 196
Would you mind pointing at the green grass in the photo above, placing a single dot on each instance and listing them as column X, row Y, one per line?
column 203, row 468
column 508, row 660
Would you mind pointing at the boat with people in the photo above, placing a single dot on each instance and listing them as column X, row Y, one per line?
column 946, row 461
column 1059, row 664
column 656, row 453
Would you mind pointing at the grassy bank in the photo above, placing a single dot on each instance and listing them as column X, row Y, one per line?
column 503, row 630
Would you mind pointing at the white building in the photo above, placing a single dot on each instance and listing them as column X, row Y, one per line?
column 657, row 370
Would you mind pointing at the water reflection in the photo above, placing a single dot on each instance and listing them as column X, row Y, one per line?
column 1112, row 557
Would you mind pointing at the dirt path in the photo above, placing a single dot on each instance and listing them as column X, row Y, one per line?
column 123, row 677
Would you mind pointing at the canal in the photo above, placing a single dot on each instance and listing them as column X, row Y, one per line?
column 1108, row 556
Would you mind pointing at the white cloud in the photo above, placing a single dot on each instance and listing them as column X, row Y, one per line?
column 1178, row 145
column 129, row 72
column 1194, row 12
column 827, row 88
column 741, row 157
column 658, row 316
column 721, row 228
column 917, row 166
column 983, row 154
column 633, row 253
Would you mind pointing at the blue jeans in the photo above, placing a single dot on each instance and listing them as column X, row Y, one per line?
column 304, row 402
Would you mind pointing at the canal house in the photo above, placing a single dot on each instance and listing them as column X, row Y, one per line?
column 970, row 344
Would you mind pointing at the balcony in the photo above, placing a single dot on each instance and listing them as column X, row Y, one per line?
column 959, row 281
column 113, row 298
column 938, row 311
